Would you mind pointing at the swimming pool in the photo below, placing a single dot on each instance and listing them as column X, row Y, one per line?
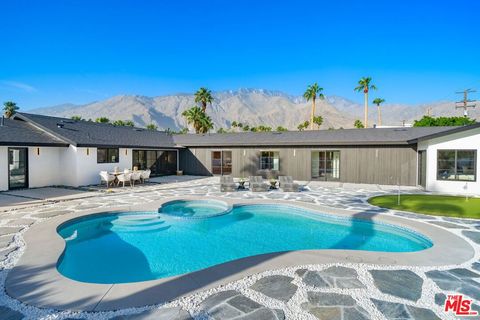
column 140, row 246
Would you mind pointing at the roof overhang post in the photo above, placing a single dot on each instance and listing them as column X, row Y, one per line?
column 178, row 160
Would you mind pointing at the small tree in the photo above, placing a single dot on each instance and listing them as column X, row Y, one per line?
column 152, row 127
column 9, row 108
column 358, row 124
column 302, row 126
column 281, row 129
column 102, row 120
column 427, row 121
column 76, row 118
column 129, row 123
column 221, row 130
column 246, row 127
column 318, row 120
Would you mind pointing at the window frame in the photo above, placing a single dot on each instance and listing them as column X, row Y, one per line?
column 107, row 155
column 456, row 165
column 272, row 161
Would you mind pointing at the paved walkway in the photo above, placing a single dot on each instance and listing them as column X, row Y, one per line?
column 333, row 291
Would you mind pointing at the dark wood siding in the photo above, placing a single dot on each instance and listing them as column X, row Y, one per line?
column 358, row 164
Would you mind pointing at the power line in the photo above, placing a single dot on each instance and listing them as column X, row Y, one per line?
column 465, row 103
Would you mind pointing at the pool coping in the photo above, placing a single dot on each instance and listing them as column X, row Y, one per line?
column 36, row 281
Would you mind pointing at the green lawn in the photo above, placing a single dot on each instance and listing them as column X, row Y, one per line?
column 449, row 206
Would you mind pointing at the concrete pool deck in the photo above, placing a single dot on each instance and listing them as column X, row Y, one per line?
column 36, row 281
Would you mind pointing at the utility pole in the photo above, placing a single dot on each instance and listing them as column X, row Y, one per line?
column 465, row 103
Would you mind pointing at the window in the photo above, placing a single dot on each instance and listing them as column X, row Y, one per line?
column 326, row 165
column 456, row 165
column 269, row 160
column 107, row 155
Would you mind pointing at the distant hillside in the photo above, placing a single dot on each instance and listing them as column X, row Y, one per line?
column 252, row 106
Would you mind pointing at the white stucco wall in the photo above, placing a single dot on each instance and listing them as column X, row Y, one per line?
column 70, row 166
column 88, row 169
column 44, row 166
column 463, row 140
column 3, row 168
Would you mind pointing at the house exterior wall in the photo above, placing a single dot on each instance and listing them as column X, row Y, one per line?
column 88, row 169
column 463, row 140
column 44, row 166
column 360, row 164
column 3, row 168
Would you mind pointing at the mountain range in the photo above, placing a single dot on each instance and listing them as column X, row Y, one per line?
column 249, row 106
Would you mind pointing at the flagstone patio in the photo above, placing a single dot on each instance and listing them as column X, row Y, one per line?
column 329, row 291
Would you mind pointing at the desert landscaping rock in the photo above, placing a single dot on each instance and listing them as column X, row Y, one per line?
column 440, row 299
column 399, row 283
column 277, row 287
column 346, row 288
column 472, row 235
column 325, row 305
column 476, row 266
column 457, row 281
column 333, row 277
column 395, row 311
column 233, row 305
column 158, row 314
column 9, row 314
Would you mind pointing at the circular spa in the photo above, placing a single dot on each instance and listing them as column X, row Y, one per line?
column 139, row 246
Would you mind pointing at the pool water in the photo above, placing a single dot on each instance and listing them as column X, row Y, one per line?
column 139, row 246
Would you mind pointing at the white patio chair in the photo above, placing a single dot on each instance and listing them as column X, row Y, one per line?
column 135, row 176
column 124, row 177
column 108, row 178
column 146, row 174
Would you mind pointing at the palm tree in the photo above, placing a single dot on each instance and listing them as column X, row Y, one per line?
column 311, row 94
column 378, row 102
column 364, row 85
column 200, row 121
column 9, row 108
column 204, row 96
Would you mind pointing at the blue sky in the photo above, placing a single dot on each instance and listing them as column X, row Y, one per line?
column 80, row 51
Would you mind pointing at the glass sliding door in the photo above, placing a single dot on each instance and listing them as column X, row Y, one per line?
column 160, row 162
column 17, row 168
column 222, row 162
column 326, row 165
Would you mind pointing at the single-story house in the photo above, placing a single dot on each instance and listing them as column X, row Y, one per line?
column 38, row 150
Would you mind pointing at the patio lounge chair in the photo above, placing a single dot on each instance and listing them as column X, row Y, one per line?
column 227, row 184
column 108, row 178
column 287, row 184
column 257, row 184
